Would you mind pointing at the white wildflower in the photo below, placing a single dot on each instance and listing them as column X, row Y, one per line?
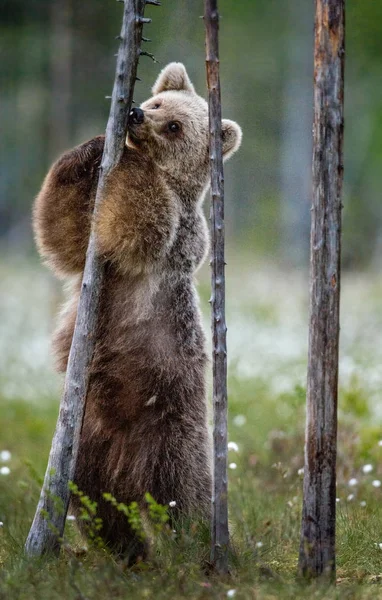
column 70, row 518
column 367, row 468
column 352, row 482
column 232, row 465
column 1, row 523
column 380, row 443
column 350, row 497
column 259, row 544
column 338, row 499
column 231, row 593
column 172, row 503
column 240, row 420
column 5, row 471
column 376, row 483
column 362, row 503
column 378, row 545
column 233, row 446
column 5, row 455
column 300, row 471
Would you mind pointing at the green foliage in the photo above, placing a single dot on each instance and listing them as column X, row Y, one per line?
column 265, row 507
column 131, row 512
column 158, row 513
column 88, row 514
column 276, row 39
column 354, row 401
column 266, row 421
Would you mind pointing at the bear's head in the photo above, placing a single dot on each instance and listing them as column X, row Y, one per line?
column 172, row 127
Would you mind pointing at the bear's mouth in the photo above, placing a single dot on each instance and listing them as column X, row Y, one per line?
column 133, row 135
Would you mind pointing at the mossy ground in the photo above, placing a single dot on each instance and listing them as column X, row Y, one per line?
column 266, row 420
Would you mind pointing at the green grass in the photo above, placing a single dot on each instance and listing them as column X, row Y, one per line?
column 265, row 506
column 266, row 420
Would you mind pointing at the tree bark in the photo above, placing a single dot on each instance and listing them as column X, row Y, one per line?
column 317, row 549
column 48, row 525
column 219, row 529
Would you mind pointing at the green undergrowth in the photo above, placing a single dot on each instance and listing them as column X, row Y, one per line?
column 265, row 485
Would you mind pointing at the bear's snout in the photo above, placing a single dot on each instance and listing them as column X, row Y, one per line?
column 136, row 116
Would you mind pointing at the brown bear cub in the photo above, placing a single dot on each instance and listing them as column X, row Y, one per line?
column 145, row 428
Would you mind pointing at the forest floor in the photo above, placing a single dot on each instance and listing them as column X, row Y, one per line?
column 267, row 341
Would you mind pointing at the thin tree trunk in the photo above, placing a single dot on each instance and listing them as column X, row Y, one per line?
column 219, row 530
column 49, row 521
column 317, row 550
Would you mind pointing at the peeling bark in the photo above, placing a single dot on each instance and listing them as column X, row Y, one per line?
column 317, row 549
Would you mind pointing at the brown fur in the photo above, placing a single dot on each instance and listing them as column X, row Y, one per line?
column 145, row 428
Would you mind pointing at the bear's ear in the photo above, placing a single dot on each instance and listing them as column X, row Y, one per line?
column 173, row 77
column 232, row 135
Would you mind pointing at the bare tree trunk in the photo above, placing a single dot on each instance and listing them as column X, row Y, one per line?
column 219, row 531
column 317, row 550
column 49, row 521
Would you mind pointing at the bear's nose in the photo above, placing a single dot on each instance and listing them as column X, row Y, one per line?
column 136, row 116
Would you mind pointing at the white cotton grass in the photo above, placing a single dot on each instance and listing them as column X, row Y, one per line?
column 70, row 518
column 5, row 470
column 172, row 503
column 380, row 443
column 367, row 468
column 239, row 420
column 350, row 497
column 376, row 483
column 233, row 446
column 5, row 456
column 231, row 593
column 362, row 503
column 232, row 465
column 259, row 544
column 352, row 482
column 338, row 499
column 300, row 472
column 1, row 524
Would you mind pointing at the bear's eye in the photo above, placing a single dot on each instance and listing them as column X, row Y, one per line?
column 173, row 126
column 155, row 107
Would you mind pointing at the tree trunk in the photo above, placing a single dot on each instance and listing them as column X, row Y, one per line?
column 219, row 531
column 317, row 550
column 49, row 521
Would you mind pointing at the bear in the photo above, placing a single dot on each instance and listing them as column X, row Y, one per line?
column 145, row 427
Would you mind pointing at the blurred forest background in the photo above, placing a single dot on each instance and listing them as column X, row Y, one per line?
column 57, row 65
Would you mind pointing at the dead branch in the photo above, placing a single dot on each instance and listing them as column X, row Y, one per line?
column 317, row 549
column 48, row 524
column 219, row 530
